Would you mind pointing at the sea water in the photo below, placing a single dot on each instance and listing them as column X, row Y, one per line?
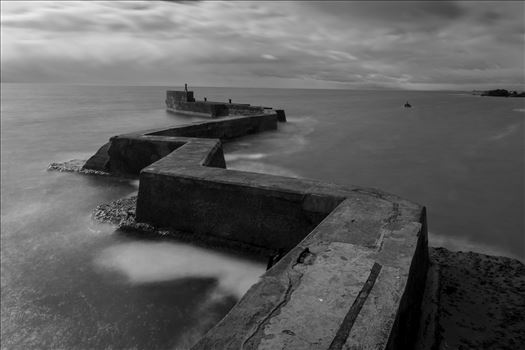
column 69, row 282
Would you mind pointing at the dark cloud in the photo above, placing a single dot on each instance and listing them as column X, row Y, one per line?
column 183, row 2
column 399, row 16
column 392, row 11
column 413, row 44
column 490, row 17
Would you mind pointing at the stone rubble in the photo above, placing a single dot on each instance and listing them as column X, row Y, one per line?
column 75, row 166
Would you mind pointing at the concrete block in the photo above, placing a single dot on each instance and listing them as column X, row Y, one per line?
column 281, row 116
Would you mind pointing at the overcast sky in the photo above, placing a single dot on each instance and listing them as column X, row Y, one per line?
column 410, row 45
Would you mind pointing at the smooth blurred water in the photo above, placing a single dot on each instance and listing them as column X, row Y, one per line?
column 68, row 282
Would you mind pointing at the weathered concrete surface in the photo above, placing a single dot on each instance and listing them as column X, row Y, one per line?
column 318, row 292
column 273, row 315
column 357, row 258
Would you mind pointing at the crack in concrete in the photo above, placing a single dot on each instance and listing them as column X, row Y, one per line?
column 275, row 309
column 306, row 257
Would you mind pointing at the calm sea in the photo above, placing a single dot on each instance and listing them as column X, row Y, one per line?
column 68, row 282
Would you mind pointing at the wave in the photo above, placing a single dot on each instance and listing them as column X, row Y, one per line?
column 148, row 262
column 505, row 132
column 272, row 147
column 232, row 157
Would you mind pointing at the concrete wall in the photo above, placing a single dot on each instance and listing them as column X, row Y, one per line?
column 174, row 97
column 224, row 129
column 183, row 102
column 239, row 109
column 263, row 217
column 129, row 153
column 356, row 264
column 200, row 108
column 356, row 260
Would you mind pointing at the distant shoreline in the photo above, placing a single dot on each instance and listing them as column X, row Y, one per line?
column 499, row 93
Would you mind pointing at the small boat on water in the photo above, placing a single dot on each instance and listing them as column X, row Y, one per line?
column 408, row 105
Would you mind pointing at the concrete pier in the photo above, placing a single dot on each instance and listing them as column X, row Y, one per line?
column 356, row 261
column 183, row 102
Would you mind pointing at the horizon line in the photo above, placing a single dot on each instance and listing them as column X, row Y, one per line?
column 246, row 87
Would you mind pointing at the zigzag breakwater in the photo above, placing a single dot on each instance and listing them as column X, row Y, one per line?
column 355, row 259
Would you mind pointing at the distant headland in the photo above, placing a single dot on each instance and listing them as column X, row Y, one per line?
column 499, row 93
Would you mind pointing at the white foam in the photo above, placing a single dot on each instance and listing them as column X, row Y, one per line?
column 231, row 157
column 23, row 210
column 99, row 228
column 135, row 184
column 147, row 262
column 505, row 132
column 522, row 110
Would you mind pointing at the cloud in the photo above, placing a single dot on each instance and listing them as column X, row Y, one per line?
column 322, row 44
column 269, row 57
column 400, row 14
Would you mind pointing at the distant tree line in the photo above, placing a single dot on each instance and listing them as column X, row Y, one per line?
column 501, row 93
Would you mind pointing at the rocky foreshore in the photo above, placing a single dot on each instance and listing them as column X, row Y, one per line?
column 473, row 301
column 119, row 212
column 75, row 166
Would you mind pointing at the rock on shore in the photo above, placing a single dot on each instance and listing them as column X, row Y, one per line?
column 75, row 166
column 122, row 213
column 118, row 212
